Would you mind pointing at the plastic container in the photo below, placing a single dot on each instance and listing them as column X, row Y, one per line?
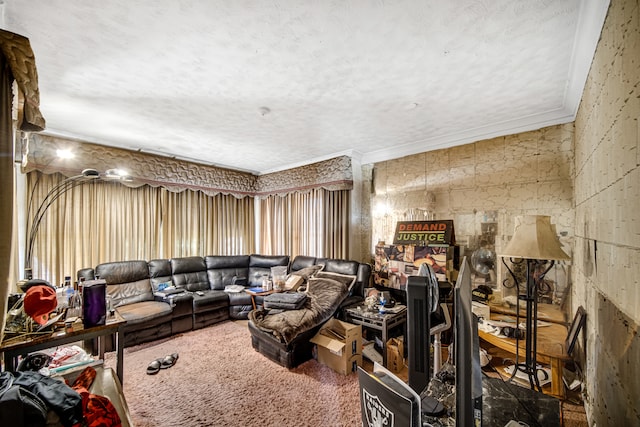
column 279, row 275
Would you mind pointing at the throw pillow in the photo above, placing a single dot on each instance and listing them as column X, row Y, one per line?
column 296, row 280
column 346, row 279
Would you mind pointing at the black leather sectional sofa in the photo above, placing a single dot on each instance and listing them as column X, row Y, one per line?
column 131, row 284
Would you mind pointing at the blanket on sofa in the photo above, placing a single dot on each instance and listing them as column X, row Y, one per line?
column 324, row 296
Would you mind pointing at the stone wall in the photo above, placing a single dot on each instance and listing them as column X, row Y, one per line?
column 487, row 182
column 607, row 225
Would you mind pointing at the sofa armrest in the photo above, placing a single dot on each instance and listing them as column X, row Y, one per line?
column 181, row 303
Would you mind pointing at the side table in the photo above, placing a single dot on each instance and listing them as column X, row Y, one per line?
column 257, row 293
column 384, row 323
column 13, row 348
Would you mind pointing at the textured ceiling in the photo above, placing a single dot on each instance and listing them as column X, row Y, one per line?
column 267, row 85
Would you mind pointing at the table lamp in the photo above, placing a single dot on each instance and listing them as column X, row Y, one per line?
column 535, row 241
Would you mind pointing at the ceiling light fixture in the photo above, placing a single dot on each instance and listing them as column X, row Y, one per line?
column 65, row 154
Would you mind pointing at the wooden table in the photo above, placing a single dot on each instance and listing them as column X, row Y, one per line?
column 13, row 348
column 254, row 294
column 551, row 348
column 546, row 312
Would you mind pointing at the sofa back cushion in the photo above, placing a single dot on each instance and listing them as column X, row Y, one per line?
column 86, row 274
column 159, row 272
column 127, row 281
column 362, row 271
column 189, row 273
column 302, row 261
column 340, row 266
column 260, row 265
column 222, row 269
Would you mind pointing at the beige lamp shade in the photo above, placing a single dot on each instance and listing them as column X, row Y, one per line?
column 534, row 237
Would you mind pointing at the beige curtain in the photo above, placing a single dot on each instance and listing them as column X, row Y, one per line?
column 337, row 210
column 197, row 224
column 314, row 223
column 102, row 221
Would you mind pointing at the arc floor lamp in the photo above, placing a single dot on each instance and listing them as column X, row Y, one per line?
column 86, row 176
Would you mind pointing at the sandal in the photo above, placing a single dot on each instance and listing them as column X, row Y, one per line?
column 169, row 361
column 154, row 367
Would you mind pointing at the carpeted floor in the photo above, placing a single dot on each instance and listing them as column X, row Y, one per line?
column 220, row 380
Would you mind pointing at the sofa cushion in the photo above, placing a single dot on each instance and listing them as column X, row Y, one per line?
column 341, row 266
column 130, row 293
column 146, row 313
column 260, row 265
column 122, row 271
column 159, row 272
column 222, row 270
column 302, row 261
column 189, row 273
column 226, row 261
column 86, row 273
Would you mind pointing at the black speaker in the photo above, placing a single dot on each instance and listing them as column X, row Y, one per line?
column 419, row 297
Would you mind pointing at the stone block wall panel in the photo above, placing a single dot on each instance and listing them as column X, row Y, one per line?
column 606, row 255
column 495, row 179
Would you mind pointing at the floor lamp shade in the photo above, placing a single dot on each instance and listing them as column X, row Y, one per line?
column 534, row 237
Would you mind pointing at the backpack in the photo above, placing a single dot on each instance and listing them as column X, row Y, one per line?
column 19, row 406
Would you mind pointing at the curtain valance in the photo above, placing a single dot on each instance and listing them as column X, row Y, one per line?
column 22, row 62
column 39, row 153
column 333, row 175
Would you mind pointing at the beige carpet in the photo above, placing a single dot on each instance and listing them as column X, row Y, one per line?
column 220, row 380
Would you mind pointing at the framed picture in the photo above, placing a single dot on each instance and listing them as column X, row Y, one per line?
column 574, row 331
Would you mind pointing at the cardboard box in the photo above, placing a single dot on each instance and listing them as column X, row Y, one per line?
column 395, row 354
column 339, row 346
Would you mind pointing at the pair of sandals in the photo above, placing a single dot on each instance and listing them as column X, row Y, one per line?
column 162, row 363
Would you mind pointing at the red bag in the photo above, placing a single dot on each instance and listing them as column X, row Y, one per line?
column 98, row 410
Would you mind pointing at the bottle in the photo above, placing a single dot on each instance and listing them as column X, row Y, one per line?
column 68, row 290
column 75, row 305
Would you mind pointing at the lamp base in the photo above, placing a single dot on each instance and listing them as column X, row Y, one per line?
column 528, row 376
